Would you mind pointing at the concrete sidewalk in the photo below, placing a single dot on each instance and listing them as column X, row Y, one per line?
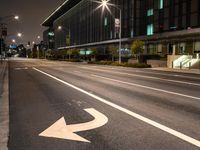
column 4, row 106
column 189, row 71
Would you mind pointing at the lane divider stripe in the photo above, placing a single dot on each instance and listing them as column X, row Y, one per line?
column 135, row 115
column 147, row 87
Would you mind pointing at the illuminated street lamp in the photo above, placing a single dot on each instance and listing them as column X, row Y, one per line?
column 19, row 34
column 67, row 31
column 105, row 4
column 4, row 30
column 59, row 27
column 16, row 17
column 13, row 40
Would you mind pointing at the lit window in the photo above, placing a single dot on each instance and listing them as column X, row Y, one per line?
column 150, row 12
column 105, row 21
column 51, row 34
column 150, row 29
column 161, row 3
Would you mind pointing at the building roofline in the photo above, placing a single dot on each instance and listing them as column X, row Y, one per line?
column 53, row 13
column 59, row 11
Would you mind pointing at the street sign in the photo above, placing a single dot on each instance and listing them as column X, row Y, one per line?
column 117, row 25
column 62, row 131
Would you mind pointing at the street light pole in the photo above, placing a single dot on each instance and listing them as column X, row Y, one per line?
column 120, row 32
column 2, row 36
column 105, row 4
column 66, row 31
column 1, row 42
column 120, row 36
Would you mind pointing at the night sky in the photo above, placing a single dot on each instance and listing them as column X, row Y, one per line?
column 32, row 13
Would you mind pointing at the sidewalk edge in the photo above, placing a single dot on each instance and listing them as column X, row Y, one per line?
column 4, row 112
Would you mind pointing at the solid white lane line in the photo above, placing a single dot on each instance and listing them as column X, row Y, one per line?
column 133, row 114
column 148, row 77
column 147, row 87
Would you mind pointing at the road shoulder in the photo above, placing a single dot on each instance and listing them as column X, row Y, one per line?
column 4, row 108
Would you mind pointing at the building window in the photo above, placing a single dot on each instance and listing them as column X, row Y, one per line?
column 150, row 29
column 150, row 12
column 161, row 4
column 105, row 21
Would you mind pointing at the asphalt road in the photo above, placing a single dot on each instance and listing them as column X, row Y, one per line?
column 139, row 109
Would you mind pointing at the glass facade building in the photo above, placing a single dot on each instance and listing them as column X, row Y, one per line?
column 161, row 24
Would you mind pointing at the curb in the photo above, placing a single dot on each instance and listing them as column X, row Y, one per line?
column 192, row 71
column 4, row 110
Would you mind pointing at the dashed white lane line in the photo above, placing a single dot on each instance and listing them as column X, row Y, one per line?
column 131, row 113
column 147, row 87
column 148, row 77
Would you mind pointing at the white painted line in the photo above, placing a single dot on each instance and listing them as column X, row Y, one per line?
column 148, row 77
column 133, row 114
column 147, row 87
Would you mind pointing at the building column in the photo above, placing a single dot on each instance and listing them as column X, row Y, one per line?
column 174, row 50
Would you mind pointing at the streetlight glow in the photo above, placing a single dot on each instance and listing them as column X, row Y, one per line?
column 16, row 17
column 19, row 34
column 59, row 27
column 104, row 4
column 13, row 40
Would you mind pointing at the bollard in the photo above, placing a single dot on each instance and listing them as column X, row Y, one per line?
column 180, row 65
column 189, row 65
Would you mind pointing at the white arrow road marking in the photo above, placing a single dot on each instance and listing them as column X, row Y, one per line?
column 62, row 131
column 131, row 113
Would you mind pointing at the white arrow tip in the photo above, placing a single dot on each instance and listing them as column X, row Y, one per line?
column 60, row 130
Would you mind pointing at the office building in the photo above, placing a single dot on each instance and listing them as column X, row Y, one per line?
column 166, row 26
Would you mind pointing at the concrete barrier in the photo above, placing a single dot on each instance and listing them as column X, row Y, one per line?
column 157, row 63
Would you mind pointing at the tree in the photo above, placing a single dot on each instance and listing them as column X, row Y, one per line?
column 137, row 47
column 63, row 53
column 94, row 52
column 69, row 52
column 75, row 53
column 113, row 51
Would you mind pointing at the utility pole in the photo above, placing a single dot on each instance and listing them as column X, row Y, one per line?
column 3, row 34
